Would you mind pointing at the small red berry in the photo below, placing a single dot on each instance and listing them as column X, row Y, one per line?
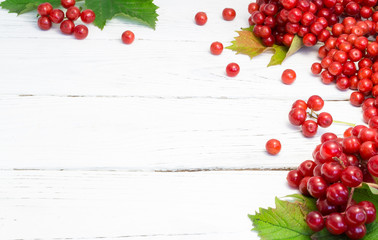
column 273, row 146
column 288, row 76
column 128, row 37
column 309, row 128
column 73, row 13
column 67, row 3
column 80, row 32
column 228, row 14
column 200, row 18
column 216, row 48
column 44, row 9
column 315, row 103
column 56, row 16
column 44, row 23
column 232, row 69
column 88, row 16
column 67, row 27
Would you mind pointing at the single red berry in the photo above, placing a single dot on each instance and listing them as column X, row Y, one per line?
column 324, row 119
column 228, row 14
column 373, row 166
column 67, row 27
column 316, row 68
column 356, row 232
column 317, row 186
column 300, row 104
column 56, row 16
column 80, row 32
column 335, row 224
column 216, row 48
column 232, row 69
column 355, row 215
column 356, row 98
column 253, row 7
column 306, row 168
column 315, row 221
column 297, row 116
column 288, row 76
column 128, row 37
column 273, row 146
column 370, row 211
column 87, row 16
column 200, row 18
column 67, row 3
column 337, row 194
column 315, row 103
column 309, row 128
column 73, row 13
column 294, row 178
column 44, row 23
column 44, row 9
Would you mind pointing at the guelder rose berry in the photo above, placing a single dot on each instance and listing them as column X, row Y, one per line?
column 232, row 69
column 273, row 146
column 128, row 37
column 200, row 18
column 216, row 48
column 288, row 76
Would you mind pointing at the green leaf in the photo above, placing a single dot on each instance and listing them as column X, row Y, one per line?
column 366, row 193
column 247, row 43
column 286, row 221
column 23, row 6
column 141, row 10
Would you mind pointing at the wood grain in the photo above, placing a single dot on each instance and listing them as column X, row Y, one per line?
column 133, row 205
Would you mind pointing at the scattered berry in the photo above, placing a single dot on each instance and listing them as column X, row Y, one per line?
column 228, row 14
column 216, row 48
column 200, row 18
column 273, row 146
column 128, row 37
column 232, row 69
column 288, row 76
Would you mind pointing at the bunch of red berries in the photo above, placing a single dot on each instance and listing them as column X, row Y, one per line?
column 339, row 166
column 278, row 21
column 50, row 15
column 298, row 115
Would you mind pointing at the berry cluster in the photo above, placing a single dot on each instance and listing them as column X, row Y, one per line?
column 278, row 21
column 67, row 26
column 298, row 115
column 339, row 166
column 216, row 48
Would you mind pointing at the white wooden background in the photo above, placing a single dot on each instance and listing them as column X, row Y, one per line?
column 101, row 140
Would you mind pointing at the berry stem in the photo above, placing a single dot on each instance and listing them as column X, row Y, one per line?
column 350, row 197
column 313, row 114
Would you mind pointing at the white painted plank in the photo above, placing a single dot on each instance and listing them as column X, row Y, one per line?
column 126, row 205
column 154, row 133
column 172, row 61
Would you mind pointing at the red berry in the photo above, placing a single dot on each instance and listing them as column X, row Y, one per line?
column 73, row 13
column 80, row 32
column 335, row 224
column 370, row 211
column 273, row 146
column 324, row 119
column 232, row 69
column 355, row 215
column 228, row 14
column 309, row 128
column 317, row 186
column 315, row 221
column 56, row 16
column 356, row 98
column 373, row 166
column 337, row 194
column 67, row 27
column 44, row 23
column 128, row 37
column 316, row 68
column 294, row 178
column 315, row 103
column 357, row 232
column 300, row 104
column 87, row 16
column 253, row 7
column 67, row 3
column 200, row 18
column 306, row 168
column 216, row 48
column 297, row 116
column 44, row 9
column 288, row 76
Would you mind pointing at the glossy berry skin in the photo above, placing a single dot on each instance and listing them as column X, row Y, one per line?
column 232, row 69
column 330, row 149
column 355, row 215
column 327, row 136
column 128, row 37
column 303, row 186
column 317, row 186
column 216, row 48
column 67, row 27
column 324, row 207
column 200, row 18
column 294, row 178
column 300, row 104
column 44, row 9
column 67, row 3
column 309, row 128
column 56, row 16
column 297, row 116
column 73, row 13
column 228, row 14
column 324, row 119
column 288, row 76
column 316, row 68
column 80, row 32
column 44, row 23
column 352, row 176
column 373, row 166
column 331, row 171
column 273, row 146
column 337, row 194
column 357, row 232
column 315, row 221
column 315, row 103
column 87, row 16
column 356, row 98
column 335, row 224
column 306, row 168
column 370, row 211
